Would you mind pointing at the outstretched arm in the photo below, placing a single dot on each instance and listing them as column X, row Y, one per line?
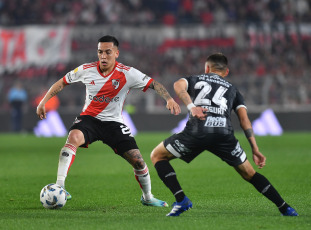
column 55, row 89
column 170, row 102
column 180, row 88
column 246, row 125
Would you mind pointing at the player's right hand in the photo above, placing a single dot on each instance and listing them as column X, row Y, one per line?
column 173, row 106
column 41, row 112
column 199, row 112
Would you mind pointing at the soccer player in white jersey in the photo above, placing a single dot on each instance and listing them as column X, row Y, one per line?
column 107, row 82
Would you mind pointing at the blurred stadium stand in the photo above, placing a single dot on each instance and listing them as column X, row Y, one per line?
column 268, row 43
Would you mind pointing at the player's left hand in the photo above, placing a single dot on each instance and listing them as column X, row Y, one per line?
column 173, row 106
column 259, row 159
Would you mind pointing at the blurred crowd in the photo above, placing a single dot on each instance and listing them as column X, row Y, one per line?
column 275, row 75
column 136, row 12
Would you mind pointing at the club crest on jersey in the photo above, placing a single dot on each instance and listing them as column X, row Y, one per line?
column 115, row 83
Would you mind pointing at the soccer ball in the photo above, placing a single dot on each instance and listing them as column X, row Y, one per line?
column 53, row 196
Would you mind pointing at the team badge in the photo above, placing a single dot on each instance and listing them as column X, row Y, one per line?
column 115, row 83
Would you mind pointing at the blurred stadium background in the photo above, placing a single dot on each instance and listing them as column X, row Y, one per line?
column 268, row 43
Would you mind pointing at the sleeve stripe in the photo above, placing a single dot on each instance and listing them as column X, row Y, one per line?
column 64, row 79
column 147, row 86
column 240, row 106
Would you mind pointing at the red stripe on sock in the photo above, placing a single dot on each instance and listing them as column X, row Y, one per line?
column 72, row 160
column 136, row 177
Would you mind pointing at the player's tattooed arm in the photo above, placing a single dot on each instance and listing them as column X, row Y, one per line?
column 171, row 105
column 160, row 89
column 249, row 133
column 55, row 89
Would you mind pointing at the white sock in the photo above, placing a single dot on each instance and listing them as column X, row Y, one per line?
column 66, row 158
column 143, row 178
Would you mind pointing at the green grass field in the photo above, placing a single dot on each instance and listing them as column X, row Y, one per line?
column 107, row 196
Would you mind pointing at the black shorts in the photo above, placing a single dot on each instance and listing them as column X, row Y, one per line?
column 187, row 147
column 116, row 135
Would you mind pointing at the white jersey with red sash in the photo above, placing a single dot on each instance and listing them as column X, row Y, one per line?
column 105, row 95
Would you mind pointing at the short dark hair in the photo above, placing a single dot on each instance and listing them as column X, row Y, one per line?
column 218, row 61
column 109, row 38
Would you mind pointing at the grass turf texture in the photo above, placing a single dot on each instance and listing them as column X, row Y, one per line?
column 106, row 195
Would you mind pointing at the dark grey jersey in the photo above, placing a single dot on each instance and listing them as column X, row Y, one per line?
column 220, row 97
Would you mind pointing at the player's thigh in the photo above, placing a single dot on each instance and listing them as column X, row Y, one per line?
column 160, row 153
column 226, row 147
column 119, row 137
column 89, row 127
column 183, row 146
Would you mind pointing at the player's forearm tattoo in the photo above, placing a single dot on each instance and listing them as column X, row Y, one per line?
column 249, row 133
column 160, row 89
column 56, row 91
column 135, row 158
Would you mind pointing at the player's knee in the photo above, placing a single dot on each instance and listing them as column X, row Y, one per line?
column 76, row 138
column 153, row 156
column 158, row 154
column 248, row 175
column 139, row 164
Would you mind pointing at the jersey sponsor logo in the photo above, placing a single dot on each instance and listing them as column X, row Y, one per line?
column 215, row 122
column 92, row 83
column 105, row 95
column 115, row 83
column 103, row 98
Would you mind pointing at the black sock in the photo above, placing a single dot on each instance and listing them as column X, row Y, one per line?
column 169, row 178
column 263, row 186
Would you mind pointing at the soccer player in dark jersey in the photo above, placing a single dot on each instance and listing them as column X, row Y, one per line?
column 107, row 83
column 210, row 99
